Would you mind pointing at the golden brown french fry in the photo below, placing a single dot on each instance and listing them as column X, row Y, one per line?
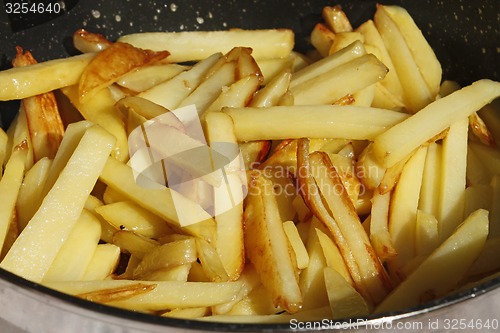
column 322, row 39
column 267, row 246
column 336, row 19
column 113, row 62
column 17, row 135
column 42, row 115
column 61, row 207
column 398, row 141
column 198, row 45
column 88, row 42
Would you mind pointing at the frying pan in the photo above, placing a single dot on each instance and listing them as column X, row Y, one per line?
column 463, row 33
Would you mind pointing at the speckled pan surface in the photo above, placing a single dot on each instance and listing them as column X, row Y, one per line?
column 464, row 34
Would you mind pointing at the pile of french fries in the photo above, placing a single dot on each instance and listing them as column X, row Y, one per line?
column 373, row 184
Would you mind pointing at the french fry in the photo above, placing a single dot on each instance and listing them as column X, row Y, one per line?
column 297, row 245
column 320, row 121
column 423, row 54
column 322, row 39
column 429, row 191
column 29, row 197
column 379, row 226
column 103, row 263
column 149, row 76
column 347, row 54
column 403, row 212
column 398, row 141
column 61, row 207
column 192, row 313
column 22, row 82
column 416, row 92
column 88, row 42
column 3, row 149
column 77, row 250
column 238, row 94
column 443, row 268
column 180, row 86
column 198, row 45
column 330, row 86
column 113, row 62
column 159, row 295
column 344, row 300
column 343, row 39
column 333, row 256
column 270, row 254
column 426, row 233
column 9, row 189
column 107, row 230
column 126, row 215
column 336, row 19
column 453, row 177
column 18, row 134
column 42, row 115
column 133, row 243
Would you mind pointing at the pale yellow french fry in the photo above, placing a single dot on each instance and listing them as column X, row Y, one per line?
column 61, row 207
column 176, row 273
column 100, row 110
column 146, row 77
column 429, row 198
column 267, row 246
column 379, row 226
column 103, row 262
column 272, row 67
column 312, row 281
column 197, row 45
column 443, row 268
column 273, row 91
column 29, row 197
column 3, row 148
column 10, row 185
column 344, row 300
column 22, row 82
column 135, row 244
column 364, row 97
column 398, row 141
column 228, row 198
column 208, row 91
column 18, row 134
column 391, row 176
column 330, row 86
column 127, row 215
column 416, row 92
column 257, row 303
column 180, row 86
column 238, row 94
column 333, row 256
column 161, row 295
column 426, row 233
column 403, row 212
column 353, row 51
column 107, row 230
column 297, row 245
column 336, row 19
column 453, row 177
column 343, row 39
column 159, row 201
column 320, row 121
column 166, row 256
column 77, row 250
column 211, row 261
column 368, row 169
column 487, row 261
column 391, row 84
column 423, row 54
column 322, row 39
